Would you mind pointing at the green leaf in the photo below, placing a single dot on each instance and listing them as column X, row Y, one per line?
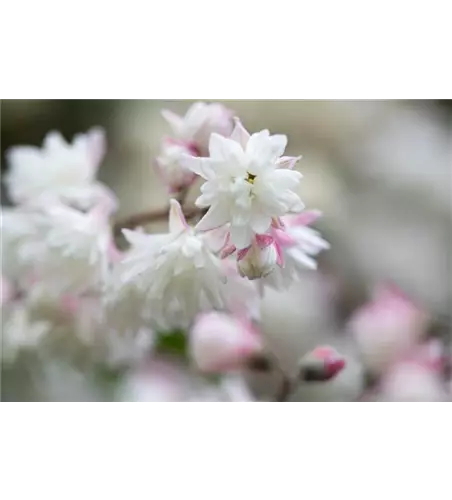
column 174, row 343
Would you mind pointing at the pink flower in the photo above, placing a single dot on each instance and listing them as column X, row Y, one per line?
column 220, row 342
column 321, row 364
column 416, row 376
column 386, row 328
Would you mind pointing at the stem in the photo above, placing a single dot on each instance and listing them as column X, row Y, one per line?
column 158, row 215
column 284, row 391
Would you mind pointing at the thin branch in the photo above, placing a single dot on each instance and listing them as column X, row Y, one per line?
column 145, row 218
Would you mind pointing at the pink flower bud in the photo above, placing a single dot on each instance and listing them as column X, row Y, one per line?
column 321, row 364
column 220, row 342
column 259, row 259
column 175, row 176
column 6, row 291
column 386, row 328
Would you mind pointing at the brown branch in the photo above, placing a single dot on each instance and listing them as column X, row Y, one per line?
column 145, row 218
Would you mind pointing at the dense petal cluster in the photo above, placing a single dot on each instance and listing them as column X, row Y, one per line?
column 246, row 184
column 58, row 171
column 178, row 310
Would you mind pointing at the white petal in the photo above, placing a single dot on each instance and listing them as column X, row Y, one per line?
column 278, row 144
column 221, row 148
column 240, row 134
column 135, row 238
column 260, row 223
column 205, row 167
column 258, row 146
column 216, row 216
column 177, row 222
column 241, row 236
column 285, row 179
column 54, row 140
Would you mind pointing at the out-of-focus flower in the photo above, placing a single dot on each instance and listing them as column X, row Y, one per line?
column 6, row 290
column 321, row 364
column 236, row 389
column 220, row 342
column 128, row 348
column 18, row 227
column 245, row 185
column 415, row 377
column 173, row 275
column 200, row 121
column 19, row 332
column 158, row 385
column 70, row 252
column 174, row 175
column 387, row 328
column 59, row 171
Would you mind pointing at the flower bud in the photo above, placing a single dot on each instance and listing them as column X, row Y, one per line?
column 220, row 342
column 259, row 259
column 175, row 176
column 321, row 364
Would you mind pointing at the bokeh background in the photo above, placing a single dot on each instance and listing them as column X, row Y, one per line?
column 380, row 171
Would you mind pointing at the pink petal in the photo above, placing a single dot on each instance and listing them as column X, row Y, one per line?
column 241, row 254
column 264, row 240
column 305, row 218
column 288, row 162
column 227, row 251
column 280, row 254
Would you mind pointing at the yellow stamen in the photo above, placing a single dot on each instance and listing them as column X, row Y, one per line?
column 250, row 178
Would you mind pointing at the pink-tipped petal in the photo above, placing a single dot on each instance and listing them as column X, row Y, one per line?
column 288, row 162
column 280, row 254
column 227, row 251
column 241, row 254
column 305, row 218
column 240, row 134
column 177, row 222
column 264, row 240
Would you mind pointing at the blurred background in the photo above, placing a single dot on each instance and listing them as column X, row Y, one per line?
column 380, row 171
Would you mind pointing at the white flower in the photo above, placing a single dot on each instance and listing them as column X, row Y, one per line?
column 259, row 259
column 19, row 227
column 296, row 244
column 58, row 171
column 173, row 276
column 173, row 173
column 247, row 185
column 129, row 347
column 199, row 122
column 62, row 249
column 19, row 332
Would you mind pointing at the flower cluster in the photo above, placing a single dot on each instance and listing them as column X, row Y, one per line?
column 193, row 291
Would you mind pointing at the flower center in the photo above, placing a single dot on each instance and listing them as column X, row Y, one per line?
column 250, row 178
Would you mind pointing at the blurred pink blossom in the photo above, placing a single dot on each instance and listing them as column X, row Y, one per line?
column 387, row 327
column 220, row 342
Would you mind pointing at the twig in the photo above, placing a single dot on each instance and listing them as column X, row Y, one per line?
column 144, row 218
